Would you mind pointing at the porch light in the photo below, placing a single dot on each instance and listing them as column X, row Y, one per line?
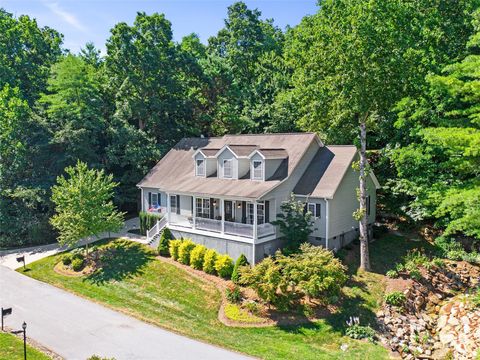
column 214, row 203
column 239, row 205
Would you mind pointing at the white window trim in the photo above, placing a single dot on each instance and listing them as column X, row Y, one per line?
column 262, row 177
column 197, row 173
column 314, row 214
column 231, row 168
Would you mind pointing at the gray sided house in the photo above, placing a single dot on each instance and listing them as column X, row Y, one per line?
column 225, row 192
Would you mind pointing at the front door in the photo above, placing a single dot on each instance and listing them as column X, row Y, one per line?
column 229, row 210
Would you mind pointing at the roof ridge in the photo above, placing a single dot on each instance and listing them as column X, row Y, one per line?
column 270, row 134
column 340, row 146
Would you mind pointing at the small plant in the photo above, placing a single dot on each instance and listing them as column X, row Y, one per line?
column 184, row 251
column 77, row 264
column 415, row 274
column 173, row 248
column 252, row 307
column 241, row 261
column 224, row 266
column 392, row 274
column 395, row 298
column 476, row 298
column 164, row 242
column 67, row 259
column 357, row 331
column 209, row 261
column 197, row 257
column 400, row 267
column 416, row 257
column 233, row 294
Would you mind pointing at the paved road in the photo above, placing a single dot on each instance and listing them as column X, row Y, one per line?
column 76, row 328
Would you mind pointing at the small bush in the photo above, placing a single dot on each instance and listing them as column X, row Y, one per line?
column 392, row 274
column 253, row 307
column 173, row 248
column 224, row 266
column 241, row 261
column 233, row 294
column 77, row 264
column 197, row 257
column 416, row 257
column 360, row 332
column 400, row 267
column 415, row 274
column 395, row 298
column 184, row 251
column 438, row 262
column 67, row 259
column 147, row 221
column 164, row 242
column 209, row 261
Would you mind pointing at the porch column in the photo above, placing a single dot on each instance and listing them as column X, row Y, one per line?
column 142, row 195
column 222, row 209
column 254, row 221
column 168, row 208
column 194, row 211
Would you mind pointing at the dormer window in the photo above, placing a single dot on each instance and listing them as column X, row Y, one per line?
column 257, row 170
column 227, row 168
column 200, row 168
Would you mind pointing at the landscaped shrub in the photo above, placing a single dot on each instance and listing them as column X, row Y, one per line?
column 357, row 331
column 393, row 274
column 476, row 298
column 77, row 264
column 395, row 298
column 184, row 251
column 67, row 259
column 164, row 242
column 147, row 221
column 209, row 261
column 233, row 293
column 224, row 266
column 415, row 274
column 173, row 248
column 438, row 262
column 264, row 278
column 241, row 261
column 197, row 257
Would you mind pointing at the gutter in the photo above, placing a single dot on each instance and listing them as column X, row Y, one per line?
column 327, row 220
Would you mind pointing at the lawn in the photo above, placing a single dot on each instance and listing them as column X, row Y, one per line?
column 138, row 284
column 11, row 348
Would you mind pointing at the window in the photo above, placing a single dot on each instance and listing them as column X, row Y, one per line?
column 173, row 203
column 368, row 204
column 257, row 173
column 200, row 169
column 202, row 208
column 227, row 168
column 154, row 200
column 251, row 214
column 314, row 209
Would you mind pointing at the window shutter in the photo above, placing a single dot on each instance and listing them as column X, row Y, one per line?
column 305, row 208
column 317, row 210
column 178, row 204
column 212, row 208
column 244, row 212
column 267, row 211
column 159, row 199
column 149, row 199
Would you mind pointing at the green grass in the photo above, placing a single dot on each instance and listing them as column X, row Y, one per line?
column 11, row 348
column 136, row 283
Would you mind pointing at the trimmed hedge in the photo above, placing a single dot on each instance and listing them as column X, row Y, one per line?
column 184, row 251
column 209, row 261
column 164, row 242
column 197, row 256
column 147, row 221
column 224, row 266
column 173, row 248
column 241, row 261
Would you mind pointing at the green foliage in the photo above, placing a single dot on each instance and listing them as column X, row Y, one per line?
column 476, row 298
column 265, row 278
column 241, row 261
column 392, row 274
column 197, row 257
column 83, row 204
column 224, row 266
column 96, row 357
column 295, row 224
column 209, row 261
column 147, row 221
column 77, row 264
column 233, row 294
column 357, row 331
column 163, row 243
column 415, row 274
column 67, row 259
column 173, row 248
column 184, row 251
column 395, row 298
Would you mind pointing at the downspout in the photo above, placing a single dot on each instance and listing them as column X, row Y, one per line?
column 327, row 220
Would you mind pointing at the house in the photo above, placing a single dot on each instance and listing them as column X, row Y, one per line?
column 224, row 192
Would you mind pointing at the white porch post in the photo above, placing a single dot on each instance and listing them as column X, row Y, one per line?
column 222, row 209
column 194, row 211
column 142, row 199
column 168, row 208
column 254, row 221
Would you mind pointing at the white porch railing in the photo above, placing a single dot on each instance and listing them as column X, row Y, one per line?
column 155, row 230
column 234, row 228
column 208, row 224
column 265, row 230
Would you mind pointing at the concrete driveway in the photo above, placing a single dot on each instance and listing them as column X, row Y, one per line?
column 76, row 328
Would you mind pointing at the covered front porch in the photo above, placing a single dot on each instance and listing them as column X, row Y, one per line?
column 230, row 217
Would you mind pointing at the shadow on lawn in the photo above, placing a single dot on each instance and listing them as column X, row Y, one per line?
column 120, row 259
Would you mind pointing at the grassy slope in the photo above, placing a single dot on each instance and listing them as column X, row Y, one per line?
column 11, row 348
column 164, row 295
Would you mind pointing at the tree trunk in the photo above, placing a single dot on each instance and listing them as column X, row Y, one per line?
column 364, row 255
